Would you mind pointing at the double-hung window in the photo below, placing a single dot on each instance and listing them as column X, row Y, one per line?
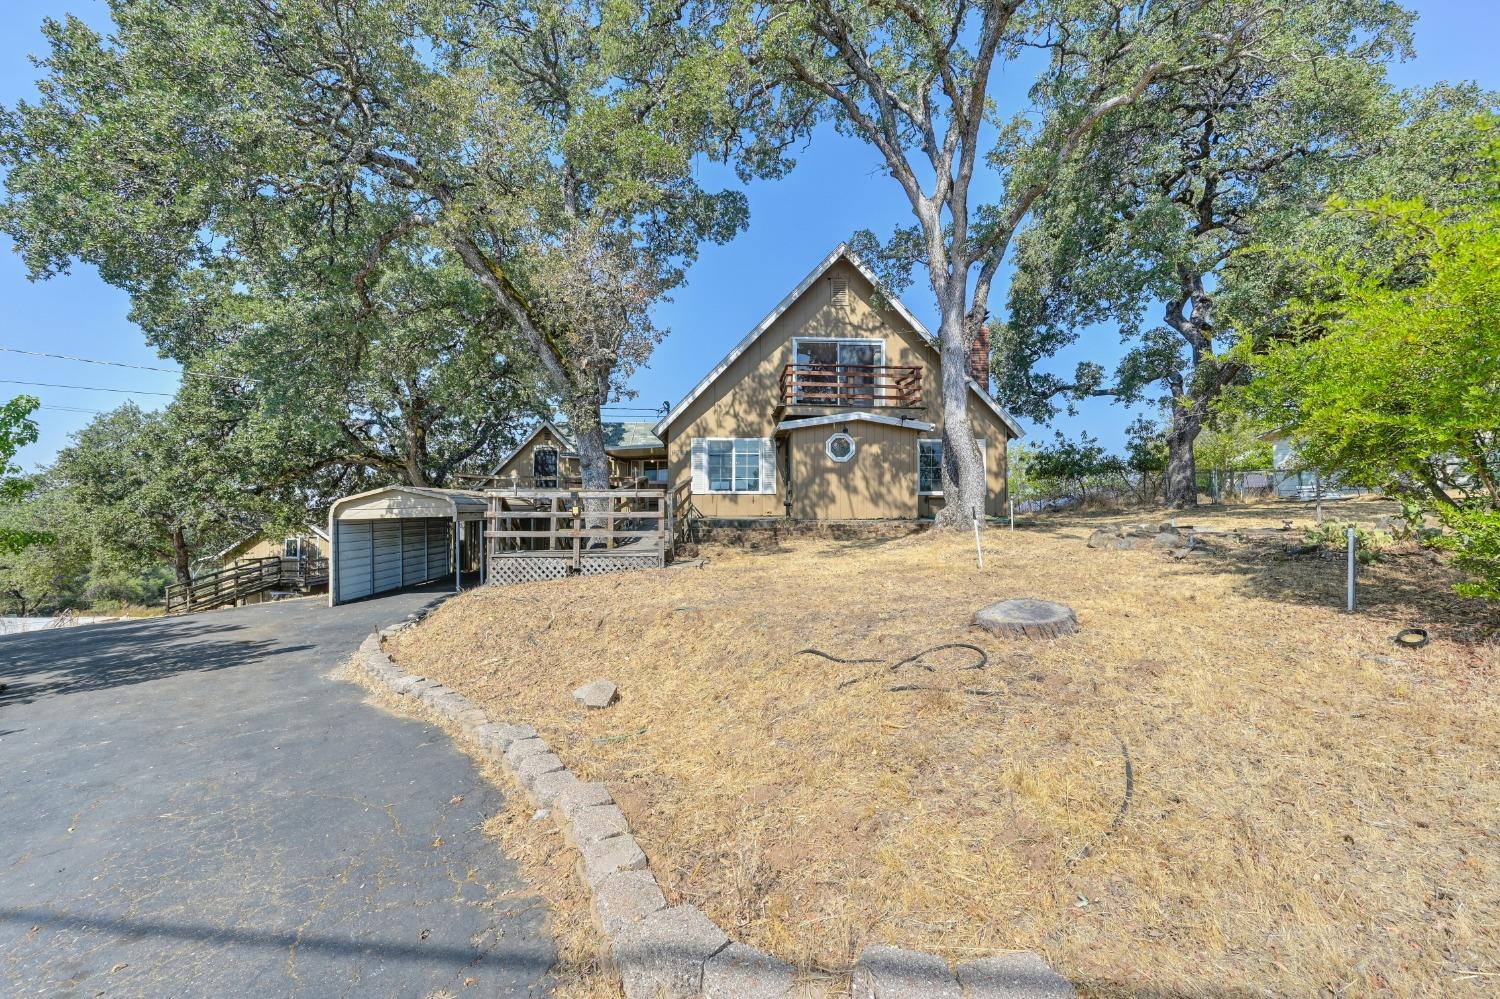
column 734, row 465
column 930, row 465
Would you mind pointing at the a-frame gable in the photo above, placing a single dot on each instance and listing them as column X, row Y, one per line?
column 840, row 252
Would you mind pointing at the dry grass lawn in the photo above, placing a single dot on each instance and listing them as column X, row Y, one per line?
column 1313, row 812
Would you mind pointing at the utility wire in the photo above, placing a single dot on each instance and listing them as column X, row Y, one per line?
column 122, row 364
column 85, row 388
column 73, row 409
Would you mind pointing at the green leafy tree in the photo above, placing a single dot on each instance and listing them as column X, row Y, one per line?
column 913, row 80
column 1389, row 372
column 17, row 429
column 242, row 154
column 53, row 573
column 1149, row 227
column 1078, row 465
column 148, row 483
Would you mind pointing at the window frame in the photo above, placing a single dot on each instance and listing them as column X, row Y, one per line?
column 809, row 397
column 984, row 458
column 735, row 453
column 841, row 435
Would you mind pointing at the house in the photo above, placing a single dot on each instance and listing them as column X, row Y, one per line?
column 306, row 542
column 548, row 459
column 828, row 409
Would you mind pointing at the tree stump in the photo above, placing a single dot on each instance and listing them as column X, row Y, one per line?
column 1027, row 618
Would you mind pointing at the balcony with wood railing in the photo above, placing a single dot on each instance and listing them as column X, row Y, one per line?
column 852, row 386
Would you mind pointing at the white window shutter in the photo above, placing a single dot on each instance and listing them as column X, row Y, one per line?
column 699, row 462
column 767, row 465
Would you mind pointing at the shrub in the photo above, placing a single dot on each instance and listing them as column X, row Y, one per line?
column 1369, row 546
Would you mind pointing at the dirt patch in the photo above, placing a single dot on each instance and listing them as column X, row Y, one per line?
column 1310, row 808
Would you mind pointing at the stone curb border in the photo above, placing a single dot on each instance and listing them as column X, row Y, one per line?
column 677, row 952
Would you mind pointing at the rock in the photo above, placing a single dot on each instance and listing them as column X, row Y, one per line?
column 894, row 973
column 582, row 796
column 662, row 956
column 1127, row 544
column 1027, row 618
column 599, row 694
column 1167, row 528
column 472, row 718
column 599, row 822
column 497, row 737
column 522, row 748
column 550, row 788
column 1013, row 976
column 1102, row 539
column 1166, row 540
column 741, row 972
column 606, row 856
column 537, row 765
column 625, row 898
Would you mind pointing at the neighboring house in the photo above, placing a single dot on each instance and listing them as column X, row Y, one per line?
column 830, row 409
column 307, row 542
column 547, row 458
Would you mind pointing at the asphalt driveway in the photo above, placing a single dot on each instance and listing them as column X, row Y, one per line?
column 194, row 807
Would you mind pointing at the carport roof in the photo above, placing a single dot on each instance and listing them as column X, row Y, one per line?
column 397, row 502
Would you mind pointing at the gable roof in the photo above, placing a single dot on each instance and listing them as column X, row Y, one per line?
column 543, row 425
column 307, row 528
column 619, row 435
column 840, row 252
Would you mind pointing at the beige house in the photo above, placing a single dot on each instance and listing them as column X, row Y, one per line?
column 829, row 409
column 547, row 458
column 307, row 542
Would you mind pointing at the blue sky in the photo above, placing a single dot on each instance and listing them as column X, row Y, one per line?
column 838, row 187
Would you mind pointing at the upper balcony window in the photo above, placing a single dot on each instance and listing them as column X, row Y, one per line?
column 847, row 373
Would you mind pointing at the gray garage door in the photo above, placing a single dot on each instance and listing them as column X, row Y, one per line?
column 377, row 556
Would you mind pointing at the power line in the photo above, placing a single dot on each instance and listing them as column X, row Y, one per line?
column 84, row 388
column 73, row 409
column 180, row 372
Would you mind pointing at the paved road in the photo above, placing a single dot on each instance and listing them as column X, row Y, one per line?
column 194, row 807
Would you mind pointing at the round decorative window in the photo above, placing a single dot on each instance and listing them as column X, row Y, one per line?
column 840, row 447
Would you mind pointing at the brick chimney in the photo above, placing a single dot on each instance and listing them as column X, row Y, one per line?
column 979, row 357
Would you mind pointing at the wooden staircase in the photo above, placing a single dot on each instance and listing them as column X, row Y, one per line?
column 232, row 584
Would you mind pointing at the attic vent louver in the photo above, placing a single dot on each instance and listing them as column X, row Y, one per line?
column 839, row 287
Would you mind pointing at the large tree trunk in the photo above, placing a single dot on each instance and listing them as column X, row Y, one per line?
column 593, row 463
column 182, row 563
column 963, row 471
column 1181, row 485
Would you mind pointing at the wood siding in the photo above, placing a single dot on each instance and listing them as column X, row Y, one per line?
column 878, row 483
column 742, row 402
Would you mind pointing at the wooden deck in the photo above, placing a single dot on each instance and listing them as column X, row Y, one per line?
column 228, row 586
column 540, row 534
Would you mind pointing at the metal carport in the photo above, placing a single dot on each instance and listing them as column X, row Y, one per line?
column 395, row 537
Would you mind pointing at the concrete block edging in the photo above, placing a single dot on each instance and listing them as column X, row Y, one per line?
column 677, row 952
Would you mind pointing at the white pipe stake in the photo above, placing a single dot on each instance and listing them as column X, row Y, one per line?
column 1351, row 571
column 1012, row 514
column 978, row 548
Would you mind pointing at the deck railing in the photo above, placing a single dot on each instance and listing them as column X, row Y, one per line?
column 228, row 586
column 857, row 385
column 547, row 533
column 567, row 482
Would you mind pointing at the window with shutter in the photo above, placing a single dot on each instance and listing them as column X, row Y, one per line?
column 734, row 465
